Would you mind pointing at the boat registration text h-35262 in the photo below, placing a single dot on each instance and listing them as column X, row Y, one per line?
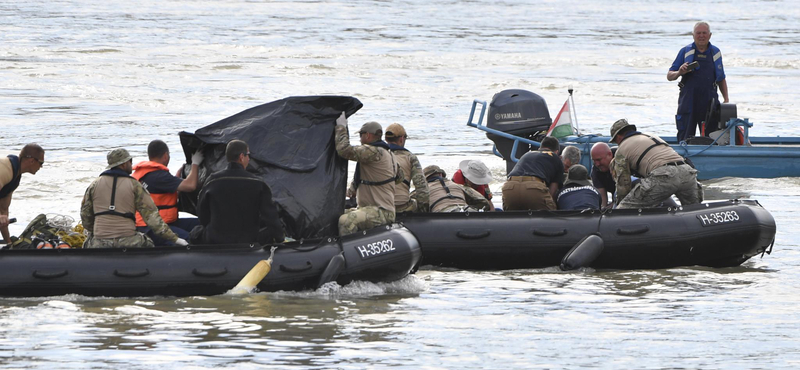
column 718, row 218
column 376, row 249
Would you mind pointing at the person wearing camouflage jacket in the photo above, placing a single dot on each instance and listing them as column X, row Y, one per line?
column 376, row 176
column 404, row 202
column 109, row 206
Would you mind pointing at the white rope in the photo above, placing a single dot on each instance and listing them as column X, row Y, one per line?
column 61, row 222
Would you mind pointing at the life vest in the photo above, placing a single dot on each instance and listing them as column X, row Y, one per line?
column 167, row 203
column 14, row 183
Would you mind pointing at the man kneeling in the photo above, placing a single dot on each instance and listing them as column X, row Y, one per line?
column 447, row 196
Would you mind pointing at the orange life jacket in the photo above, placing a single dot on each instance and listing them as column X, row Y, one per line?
column 167, row 203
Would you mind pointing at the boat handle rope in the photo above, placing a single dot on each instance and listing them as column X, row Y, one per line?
column 305, row 267
column 770, row 248
column 478, row 235
column 50, row 275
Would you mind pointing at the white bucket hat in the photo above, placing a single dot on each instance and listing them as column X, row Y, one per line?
column 475, row 171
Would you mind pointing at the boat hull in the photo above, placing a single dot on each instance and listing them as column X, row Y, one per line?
column 205, row 270
column 633, row 239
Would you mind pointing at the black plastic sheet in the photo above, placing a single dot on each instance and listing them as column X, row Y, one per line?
column 293, row 150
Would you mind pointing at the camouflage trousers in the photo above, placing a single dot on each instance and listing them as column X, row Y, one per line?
column 661, row 184
column 411, row 206
column 137, row 240
column 363, row 218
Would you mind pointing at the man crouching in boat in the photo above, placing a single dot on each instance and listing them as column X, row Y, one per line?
column 375, row 179
column 447, row 196
column 662, row 171
column 109, row 206
column 236, row 206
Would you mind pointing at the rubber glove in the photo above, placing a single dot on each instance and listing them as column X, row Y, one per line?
column 197, row 157
column 341, row 121
column 181, row 243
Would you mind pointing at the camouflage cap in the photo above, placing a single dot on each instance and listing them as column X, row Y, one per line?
column 432, row 169
column 578, row 174
column 619, row 125
column 395, row 130
column 117, row 157
column 371, row 128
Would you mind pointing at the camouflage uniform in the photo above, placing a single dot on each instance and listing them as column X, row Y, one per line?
column 368, row 214
column 143, row 203
column 420, row 197
column 659, row 184
column 363, row 218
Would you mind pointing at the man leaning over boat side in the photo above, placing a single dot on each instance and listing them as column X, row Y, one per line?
column 236, row 206
column 661, row 170
column 578, row 192
column 476, row 175
column 30, row 160
column 412, row 170
column 698, row 85
column 447, row 196
column 534, row 181
column 570, row 155
column 376, row 176
column 163, row 188
column 602, row 180
column 110, row 203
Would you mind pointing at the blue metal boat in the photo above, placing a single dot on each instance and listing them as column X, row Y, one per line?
column 527, row 119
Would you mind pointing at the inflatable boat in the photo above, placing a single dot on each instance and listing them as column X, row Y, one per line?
column 718, row 234
column 379, row 255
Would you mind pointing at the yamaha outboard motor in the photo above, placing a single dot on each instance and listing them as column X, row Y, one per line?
column 520, row 113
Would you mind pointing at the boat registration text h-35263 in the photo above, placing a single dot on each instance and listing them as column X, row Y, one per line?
column 376, row 249
column 718, row 218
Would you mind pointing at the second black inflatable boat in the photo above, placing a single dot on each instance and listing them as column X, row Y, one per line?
column 718, row 234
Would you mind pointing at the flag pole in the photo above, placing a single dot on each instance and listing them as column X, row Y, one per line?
column 572, row 110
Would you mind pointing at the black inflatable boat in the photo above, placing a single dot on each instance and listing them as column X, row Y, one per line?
column 718, row 234
column 379, row 255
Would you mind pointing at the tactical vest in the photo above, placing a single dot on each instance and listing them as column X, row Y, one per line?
column 402, row 190
column 444, row 193
column 646, row 153
column 167, row 203
column 114, row 205
column 14, row 183
column 375, row 184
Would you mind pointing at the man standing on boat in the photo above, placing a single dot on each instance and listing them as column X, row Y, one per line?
column 376, row 176
column 447, row 196
column 601, row 172
column 236, row 206
column 30, row 160
column 534, row 181
column 661, row 170
column 699, row 80
column 396, row 138
column 110, row 203
column 164, row 187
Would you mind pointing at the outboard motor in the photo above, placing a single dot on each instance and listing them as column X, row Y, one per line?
column 718, row 115
column 520, row 113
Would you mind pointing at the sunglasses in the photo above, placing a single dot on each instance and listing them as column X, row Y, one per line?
column 41, row 163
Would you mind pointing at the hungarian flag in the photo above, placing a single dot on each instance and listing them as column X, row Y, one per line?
column 562, row 125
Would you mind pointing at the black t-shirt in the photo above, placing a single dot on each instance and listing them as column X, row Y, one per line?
column 603, row 180
column 160, row 182
column 544, row 165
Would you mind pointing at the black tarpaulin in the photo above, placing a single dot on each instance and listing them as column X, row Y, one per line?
column 292, row 149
